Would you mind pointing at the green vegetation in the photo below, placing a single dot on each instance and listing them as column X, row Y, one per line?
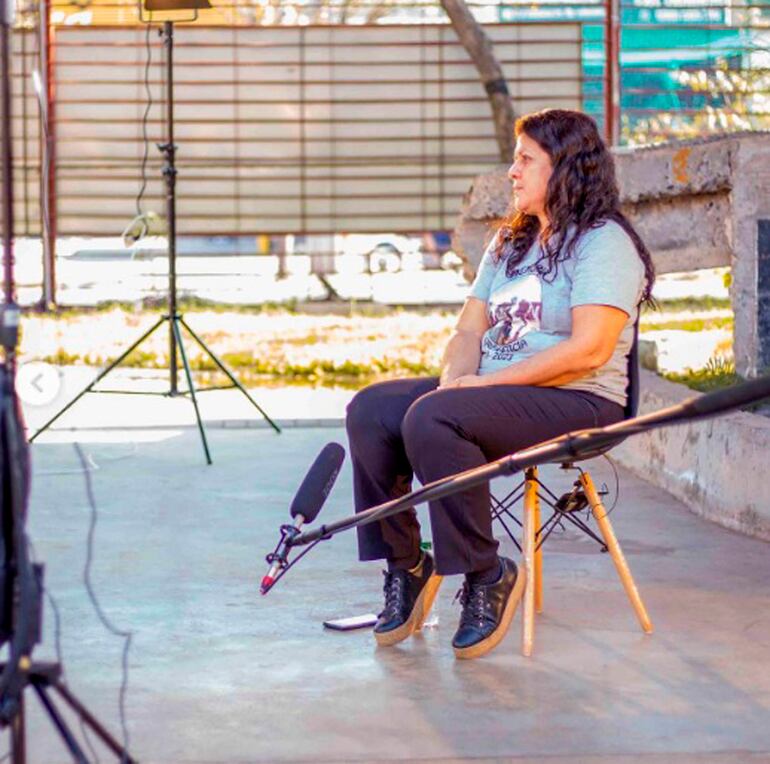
column 688, row 324
column 339, row 344
column 680, row 304
column 261, row 348
column 150, row 305
column 717, row 374
column 251, row 371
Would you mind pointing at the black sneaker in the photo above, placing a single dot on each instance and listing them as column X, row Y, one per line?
column 408, row 600
column 488, row 611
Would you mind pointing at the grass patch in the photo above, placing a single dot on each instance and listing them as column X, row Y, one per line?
column 251, row 370
column 716, row 375
column 270, row 345
column 681, row 304
column 155, row 306
column 308, row 346
column 688, row 324
column 158, row 305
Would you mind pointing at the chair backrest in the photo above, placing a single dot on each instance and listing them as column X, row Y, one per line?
column 632, row 390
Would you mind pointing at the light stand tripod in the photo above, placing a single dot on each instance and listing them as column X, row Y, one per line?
column 174, row 319
column 20, row 579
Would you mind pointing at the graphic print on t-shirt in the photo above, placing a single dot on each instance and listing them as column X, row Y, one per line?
column 514, row 310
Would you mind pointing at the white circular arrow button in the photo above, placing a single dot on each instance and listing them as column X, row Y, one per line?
column 38, row 383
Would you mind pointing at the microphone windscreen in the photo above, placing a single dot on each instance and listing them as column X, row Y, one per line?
column 318, row 482
column 731, row 398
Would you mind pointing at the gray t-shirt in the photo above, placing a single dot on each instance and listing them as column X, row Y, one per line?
column 531, row 312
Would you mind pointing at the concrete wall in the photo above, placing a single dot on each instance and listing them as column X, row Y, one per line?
column 718, row 467
column 697, row 204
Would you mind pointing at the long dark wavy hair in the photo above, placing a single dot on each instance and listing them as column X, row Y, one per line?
column 582, row 194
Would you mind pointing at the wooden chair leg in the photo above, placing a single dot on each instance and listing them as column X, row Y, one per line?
column 538, row 558
column 600, row 514
column 528, row 554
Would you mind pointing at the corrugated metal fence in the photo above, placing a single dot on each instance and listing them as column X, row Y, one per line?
column 304, row 130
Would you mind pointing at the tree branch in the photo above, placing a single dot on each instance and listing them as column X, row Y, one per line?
column 479, row 48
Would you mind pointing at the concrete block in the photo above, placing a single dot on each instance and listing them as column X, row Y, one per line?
column 680, row 168
column 684, row 233
column 469, row 239
column 750, row 203
column 717, row 468
column 648, row 354
column 489, row 196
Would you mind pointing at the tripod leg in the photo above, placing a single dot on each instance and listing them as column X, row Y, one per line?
column 60, row 724
column 229, row 374
column 18, row 737
column 190, row 385
column 101, row 376
column 91, row 721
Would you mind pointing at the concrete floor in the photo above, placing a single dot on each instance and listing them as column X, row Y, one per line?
column 220, row 674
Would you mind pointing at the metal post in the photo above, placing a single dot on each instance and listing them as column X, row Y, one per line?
column 7, row 148
column 9, row 311
column 169, row 173
column 18, row 735
column 48, row 153
column 612, row 72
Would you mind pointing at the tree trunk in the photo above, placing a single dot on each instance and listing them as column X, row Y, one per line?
column 479, row 47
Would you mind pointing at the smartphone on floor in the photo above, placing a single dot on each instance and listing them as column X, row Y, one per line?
column 365, row 621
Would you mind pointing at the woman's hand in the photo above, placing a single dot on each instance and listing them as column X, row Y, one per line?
column 467, row 380
column 463, row 352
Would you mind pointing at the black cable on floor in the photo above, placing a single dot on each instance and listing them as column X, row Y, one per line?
column 125, row 635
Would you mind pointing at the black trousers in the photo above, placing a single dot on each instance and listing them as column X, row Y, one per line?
column 408, row 427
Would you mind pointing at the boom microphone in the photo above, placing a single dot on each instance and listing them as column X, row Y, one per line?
column 317, row 484
column 306, row 505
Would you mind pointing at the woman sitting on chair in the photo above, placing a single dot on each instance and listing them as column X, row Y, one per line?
column 540, row 349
